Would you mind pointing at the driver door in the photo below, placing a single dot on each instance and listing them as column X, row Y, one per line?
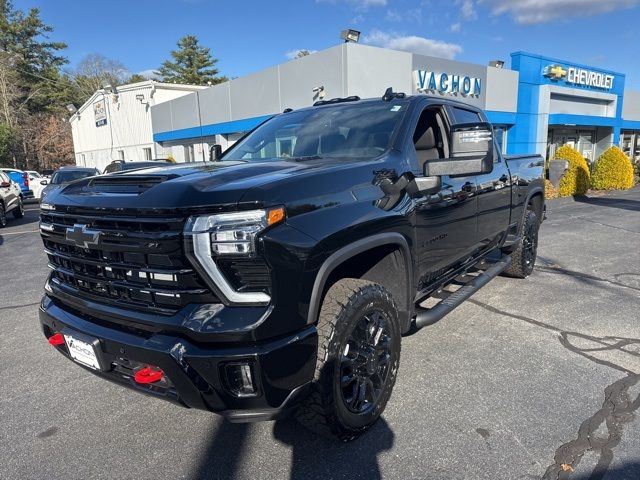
column 445, row 223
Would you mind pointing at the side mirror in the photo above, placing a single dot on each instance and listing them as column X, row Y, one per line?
column 215, row 152
column 470, row 151
column 5, row 184
column 44, row 182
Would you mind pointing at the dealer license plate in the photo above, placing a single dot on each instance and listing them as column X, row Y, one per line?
column 83, row 351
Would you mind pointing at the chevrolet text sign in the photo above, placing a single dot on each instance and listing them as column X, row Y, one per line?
column 579, row 76
column 447, row 83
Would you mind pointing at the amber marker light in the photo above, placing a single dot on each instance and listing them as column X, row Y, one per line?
column 275, row 215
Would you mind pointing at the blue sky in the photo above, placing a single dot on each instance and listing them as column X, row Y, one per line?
column 247, row 36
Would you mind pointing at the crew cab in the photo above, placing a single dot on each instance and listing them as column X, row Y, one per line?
column 281, row 275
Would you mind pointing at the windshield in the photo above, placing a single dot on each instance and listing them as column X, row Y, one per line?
column 359, row 130
column 66, row 176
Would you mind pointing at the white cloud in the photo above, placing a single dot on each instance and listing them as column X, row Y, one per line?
column 291, row 54
column 151, row 74
column 393, row 16
column 413, row 14
column 413, row 44
column 542, row 11
column 467, row 9
column 455, row 27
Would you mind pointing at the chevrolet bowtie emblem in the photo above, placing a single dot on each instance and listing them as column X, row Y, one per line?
column 82, row 236
column 555, row 72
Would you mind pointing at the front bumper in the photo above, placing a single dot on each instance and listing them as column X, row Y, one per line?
column 282, row 368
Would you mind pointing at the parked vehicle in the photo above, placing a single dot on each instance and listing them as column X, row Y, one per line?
column 121, row 165
column 63, row 176
column 22, row 179
column 34, row 182
column 10, row 199
column 282, row 275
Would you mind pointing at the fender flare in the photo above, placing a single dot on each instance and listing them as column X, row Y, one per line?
column 351, row 250
column 527, row 200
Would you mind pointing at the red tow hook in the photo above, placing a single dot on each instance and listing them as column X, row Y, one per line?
column 56, row 339
column 148, row 375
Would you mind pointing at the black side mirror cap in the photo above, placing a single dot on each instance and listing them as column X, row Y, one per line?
column 215, row 152
column 422, row 186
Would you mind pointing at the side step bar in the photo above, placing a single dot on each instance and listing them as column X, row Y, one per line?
column 430, row 316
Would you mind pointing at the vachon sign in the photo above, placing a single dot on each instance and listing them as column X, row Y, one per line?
column 431, row 82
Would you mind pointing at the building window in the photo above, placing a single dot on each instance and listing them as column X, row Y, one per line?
column 120, row 154
column 189, row 153
column 146, row 153
column 500, row 135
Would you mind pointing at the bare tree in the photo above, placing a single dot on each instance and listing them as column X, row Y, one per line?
column 95, row 71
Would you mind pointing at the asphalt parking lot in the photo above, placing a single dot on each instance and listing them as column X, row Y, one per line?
column 530, row 379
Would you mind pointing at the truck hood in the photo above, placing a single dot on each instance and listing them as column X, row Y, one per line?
column 220, row 185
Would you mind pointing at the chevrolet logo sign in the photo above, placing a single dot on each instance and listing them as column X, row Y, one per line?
column 82, row 236
column 555, row 72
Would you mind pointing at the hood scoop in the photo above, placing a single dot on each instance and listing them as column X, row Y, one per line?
column 122, row 184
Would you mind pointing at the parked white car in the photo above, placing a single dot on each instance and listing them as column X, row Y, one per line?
column 34, row 183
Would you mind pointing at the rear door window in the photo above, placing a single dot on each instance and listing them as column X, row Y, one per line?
column 462, row 115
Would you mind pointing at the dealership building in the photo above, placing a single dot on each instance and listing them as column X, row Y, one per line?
column 537, row 105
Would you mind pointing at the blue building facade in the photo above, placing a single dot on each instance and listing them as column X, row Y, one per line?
column 536, row 106
column 561, row 102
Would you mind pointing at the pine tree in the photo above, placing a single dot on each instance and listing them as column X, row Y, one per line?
column 192, row 64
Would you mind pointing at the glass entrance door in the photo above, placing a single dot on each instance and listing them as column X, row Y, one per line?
column 581, row 140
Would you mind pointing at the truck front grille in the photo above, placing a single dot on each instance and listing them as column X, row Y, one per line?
column 131, row 262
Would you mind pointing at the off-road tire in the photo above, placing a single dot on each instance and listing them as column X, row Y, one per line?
column 3, row 216
column 523, row 258
column 325, row 410
column 18, row 212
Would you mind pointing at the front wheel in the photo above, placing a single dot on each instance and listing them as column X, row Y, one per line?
column 358, row 358
column 18, row 212
column 523, row 258
column 3, row 216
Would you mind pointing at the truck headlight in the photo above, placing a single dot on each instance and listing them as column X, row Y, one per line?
column 226, row 234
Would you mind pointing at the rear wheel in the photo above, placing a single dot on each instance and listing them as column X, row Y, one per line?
column 3, row 216
column 18, row 212
column 358, row 358
column 523, row 258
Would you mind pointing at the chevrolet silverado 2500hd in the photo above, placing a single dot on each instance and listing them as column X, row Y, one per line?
column 281, row 276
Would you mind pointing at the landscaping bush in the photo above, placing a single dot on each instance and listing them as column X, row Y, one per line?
column 576, row 179
column 612, row 171
column 549, row 190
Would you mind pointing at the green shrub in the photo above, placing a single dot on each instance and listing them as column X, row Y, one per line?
column 549, row 190
column 612, row 171
column 576, row 179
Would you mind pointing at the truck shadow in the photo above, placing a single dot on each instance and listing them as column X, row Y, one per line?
column 624, row 204
column 312, row 456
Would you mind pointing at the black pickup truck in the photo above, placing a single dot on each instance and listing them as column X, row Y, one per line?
column 281, row 275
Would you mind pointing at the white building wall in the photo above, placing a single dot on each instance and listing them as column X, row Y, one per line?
column 128, row 131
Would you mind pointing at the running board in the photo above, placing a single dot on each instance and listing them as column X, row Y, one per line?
column 429, row 316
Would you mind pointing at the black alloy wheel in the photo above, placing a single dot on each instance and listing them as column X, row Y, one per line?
column 359, row 344
column 365, row 362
